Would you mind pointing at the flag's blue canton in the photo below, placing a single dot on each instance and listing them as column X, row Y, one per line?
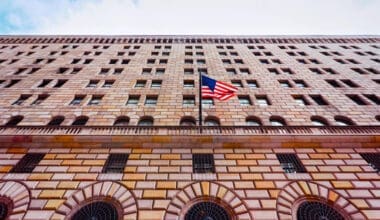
column 211, row 83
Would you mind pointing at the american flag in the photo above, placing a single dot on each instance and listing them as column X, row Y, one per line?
column 212, row 88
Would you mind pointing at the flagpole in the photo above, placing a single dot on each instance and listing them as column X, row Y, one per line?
column 200, row 101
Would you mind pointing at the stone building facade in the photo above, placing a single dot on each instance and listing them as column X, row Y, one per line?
column 110, row 123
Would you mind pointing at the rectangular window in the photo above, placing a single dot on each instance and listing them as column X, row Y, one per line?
column 21, row 99
column 188, row 100
column 27, row 163
column 40, row 99
column 231, row 71
column 252, row 84
column 77, row 100
column 146, row 71
column 62, row 70
column 75, row 70
column 207, row 101
column 150, row 61
column 300, row 83
column 373, row 159
column 290, row 163
column 262, row 100
column 60, row 83
column 44, row 83
column 333, row 83
column 188, row 84
column 237, row 83
column 163, row 61
column 188, row 71
column 316, row 71
column 95, row 100
column 203, row 163
column 104, row 71
column 160, row 71
column 284, row 83
column 358, row 70
column 156, row 84
column 133, row 100
column 140, row 84
column 357, row 99
column 244, row 100
column 124, row 61
column 12, row 83
column 115, row 163
column 188, row 61
column 373, row 98
column 287, row 71
column 108, row 83
column 201, row 61
column 300, row 100
column 330, row 71
column 113, row 61
column 319, row 99
column 349, row 83
column 151, row 101
column 274, row 71
column 117, row 71
column 244, row 71
column 92, row 83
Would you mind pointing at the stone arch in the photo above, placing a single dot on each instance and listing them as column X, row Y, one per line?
column 16, row 196
column 207, row 191
column 106, row 191
column 296, row 192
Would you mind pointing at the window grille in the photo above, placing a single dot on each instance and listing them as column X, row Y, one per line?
column 27, row 163
column 97, row 210
column 115, row 163
column 373, row 159
column 309, row 210
column 290, row 163
column 203, row 163
column 207, row 210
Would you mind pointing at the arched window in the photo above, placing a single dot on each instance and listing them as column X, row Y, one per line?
column 253, row 121
column 4, row 210
column 343, row 121
column 207, row 210
column 97, row 210
column 277, row 121
column 57, row 120
column 211, row 121
column 14, row 120
column 187, row 121
column 146, row 121
column 314, row 210
column 318, row 121
column 81, row 120
column 121, row 121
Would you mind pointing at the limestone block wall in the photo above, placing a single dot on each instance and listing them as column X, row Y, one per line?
column 160, row 183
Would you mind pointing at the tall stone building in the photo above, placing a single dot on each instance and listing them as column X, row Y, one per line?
column 107, row 127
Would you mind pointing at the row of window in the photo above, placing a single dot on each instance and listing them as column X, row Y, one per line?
column 189, row 100
column 190, row 71
column 202, row 163
column 190, row 121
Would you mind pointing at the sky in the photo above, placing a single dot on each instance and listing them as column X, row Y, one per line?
column 207, row 17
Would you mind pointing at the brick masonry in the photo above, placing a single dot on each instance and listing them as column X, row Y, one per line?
column 158, row 182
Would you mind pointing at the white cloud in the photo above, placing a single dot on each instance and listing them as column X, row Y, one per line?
column 201, row 16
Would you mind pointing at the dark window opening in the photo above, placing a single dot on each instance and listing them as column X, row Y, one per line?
column 357, row 99
column 27, row 163
column 14, row 120
column 115, row 163
column 373, row 98
column 97, row 210
column 57, row 120
column 80, row 121
column 207, row 211
column 290, row 163
column 319, row 99
column 203, row 163
column 311, row 210
column 373, row 159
